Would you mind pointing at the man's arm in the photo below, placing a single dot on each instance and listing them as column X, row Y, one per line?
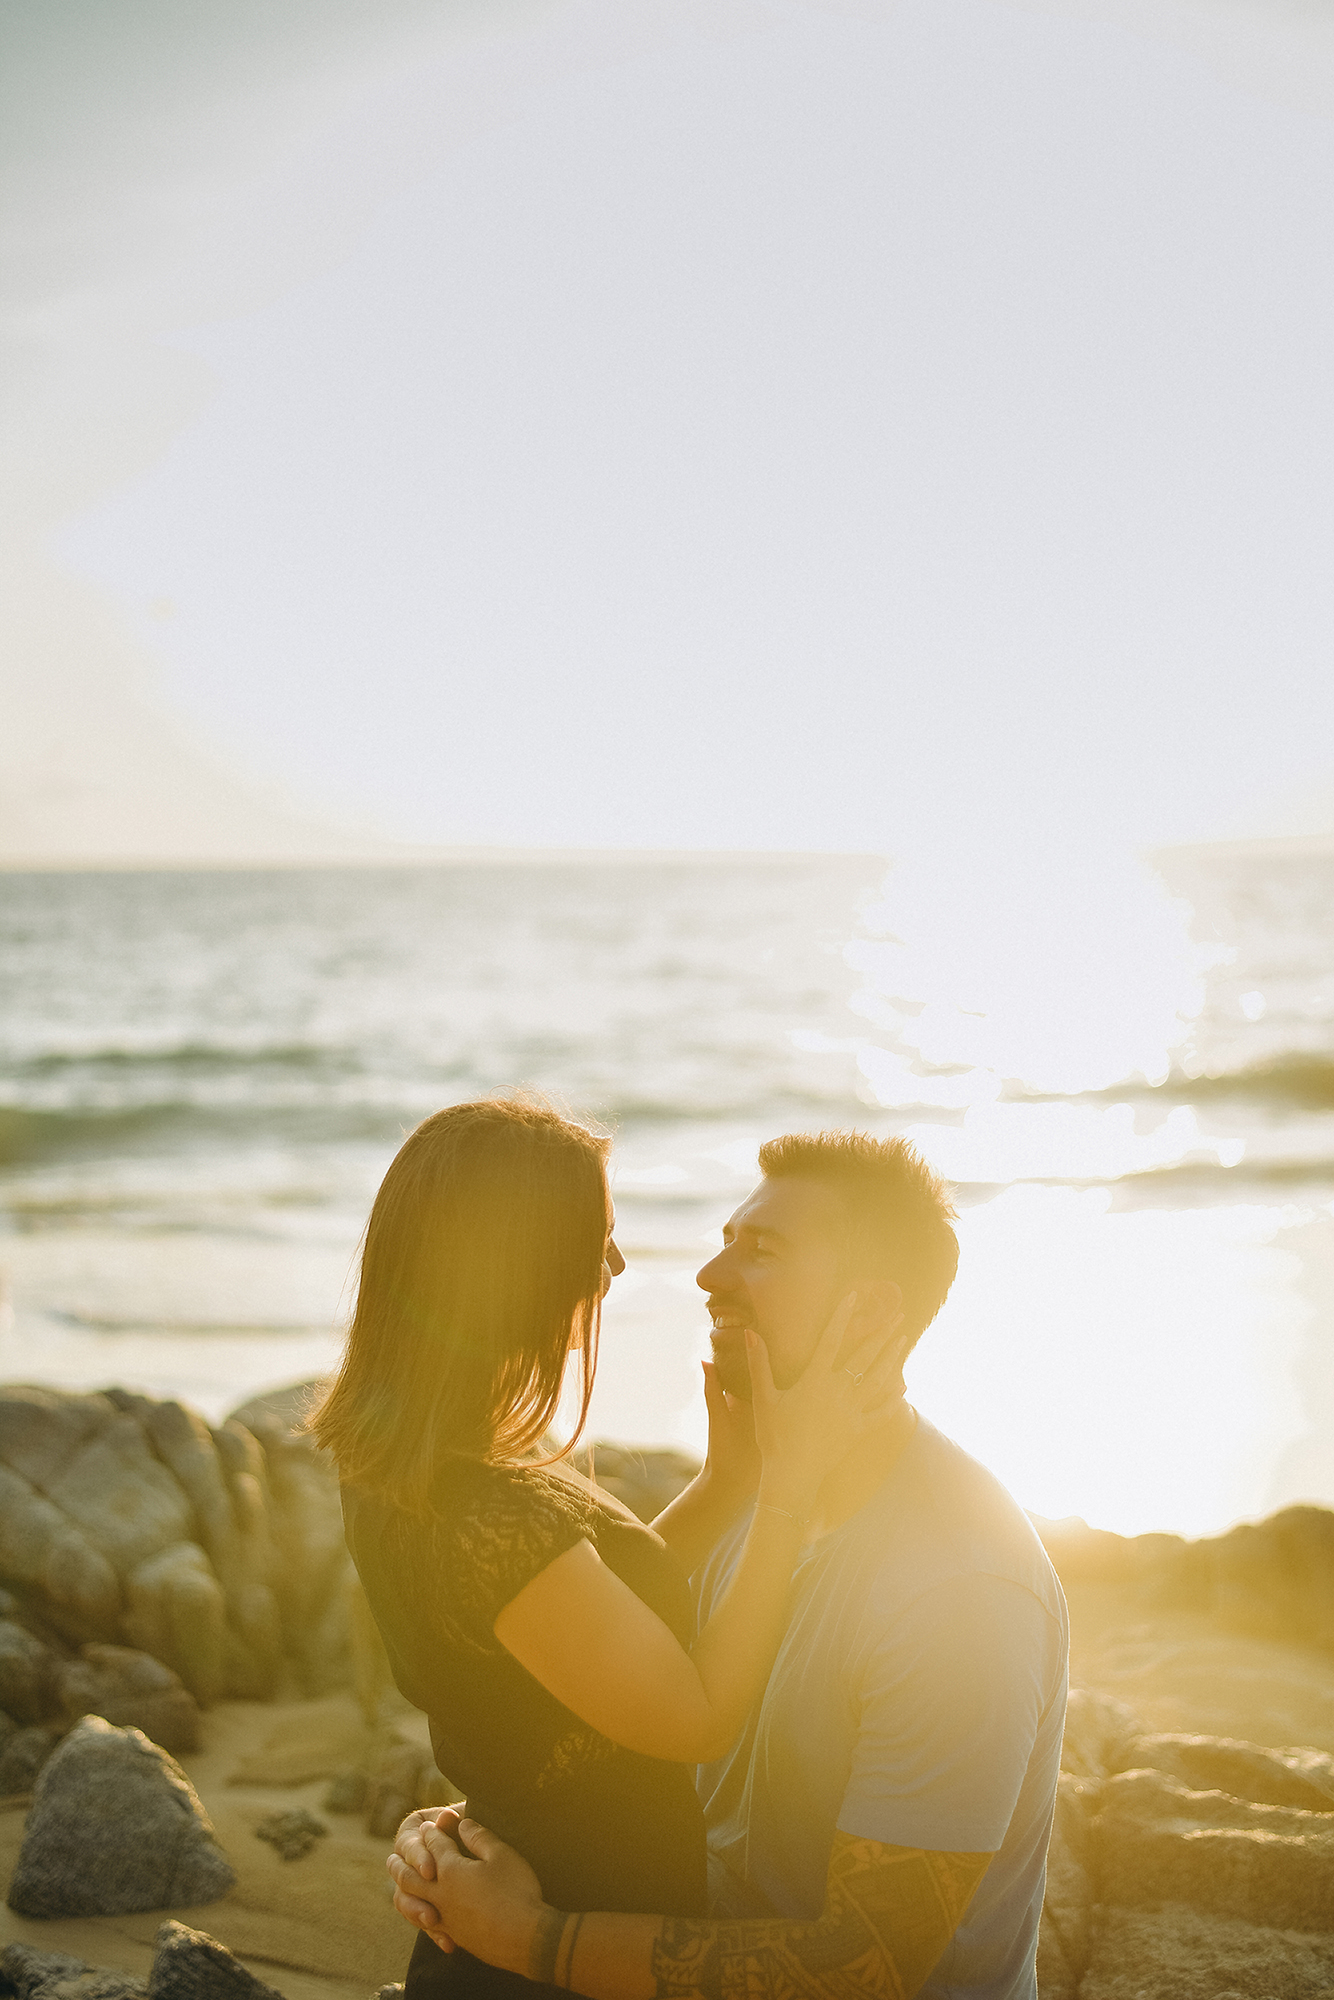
column 889, row 1913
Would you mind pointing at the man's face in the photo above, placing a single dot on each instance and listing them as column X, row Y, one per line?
column 781, row 1270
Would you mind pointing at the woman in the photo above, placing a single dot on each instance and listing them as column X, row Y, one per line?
column 544, row 1630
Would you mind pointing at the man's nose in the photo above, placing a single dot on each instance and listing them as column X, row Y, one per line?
column 713, row 1275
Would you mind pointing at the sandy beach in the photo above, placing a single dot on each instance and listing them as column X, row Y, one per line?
column 1195, row 1832
column 323, row 1925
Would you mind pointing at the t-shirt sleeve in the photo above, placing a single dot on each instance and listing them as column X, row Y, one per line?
column 950, row 1706
column 502, row 1532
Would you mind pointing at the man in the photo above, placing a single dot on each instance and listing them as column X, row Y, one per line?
column 881, row 1826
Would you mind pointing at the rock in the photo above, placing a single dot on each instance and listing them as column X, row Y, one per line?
column 391, row 1794
column 1273, row 1579
column 1277, row 1576
column 118, row 1492
column 53, row 1975
column 284, row 1409
column 347, row 1793
column 43, row 1430
column 27, row 1675
column 230, row 1524
column 292, row 1833
column 114, row 1826
column 1067, row 1909
column 44, row 1551
column 175, row 1610
column 22, row 1755
column 256, row 1662
column 642, row 1480
column 1177, row 1953
column 1097, row 1730
column 312, row 1559
column 1155, row 1841
column 124, row 1520
column 130, row 1689
column 187, row 1965
column 1303, row 1778
column 390, row 1992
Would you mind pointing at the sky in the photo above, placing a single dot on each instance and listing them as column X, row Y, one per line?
column 726, row 424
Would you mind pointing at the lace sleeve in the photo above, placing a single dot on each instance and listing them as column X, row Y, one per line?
column 503, row 1526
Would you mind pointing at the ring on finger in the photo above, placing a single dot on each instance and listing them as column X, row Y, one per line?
column 856, row 1380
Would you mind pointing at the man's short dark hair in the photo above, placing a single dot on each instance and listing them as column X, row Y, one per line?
column 899, row 1212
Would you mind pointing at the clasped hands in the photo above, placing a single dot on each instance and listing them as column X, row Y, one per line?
column 461, row 1885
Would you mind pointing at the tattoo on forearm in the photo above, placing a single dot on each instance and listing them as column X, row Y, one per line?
column 888, row 1915
column 552, row 1954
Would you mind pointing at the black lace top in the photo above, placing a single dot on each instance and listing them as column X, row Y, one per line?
column 605, row 1828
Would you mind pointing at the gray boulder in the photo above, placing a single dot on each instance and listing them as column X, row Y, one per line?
column 187, row 1965
column 53, row 1975
column 115, row 1826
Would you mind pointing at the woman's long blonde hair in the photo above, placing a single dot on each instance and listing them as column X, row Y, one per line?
column 481, row 1268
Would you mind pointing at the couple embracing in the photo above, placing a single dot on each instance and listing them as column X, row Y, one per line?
column 800, row 1736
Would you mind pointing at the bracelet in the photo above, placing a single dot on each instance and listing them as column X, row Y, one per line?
column 802, row 1520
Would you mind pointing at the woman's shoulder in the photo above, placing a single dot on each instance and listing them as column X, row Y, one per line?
column 514, row 1497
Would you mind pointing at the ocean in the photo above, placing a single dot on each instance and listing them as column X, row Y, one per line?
column 203, row 1076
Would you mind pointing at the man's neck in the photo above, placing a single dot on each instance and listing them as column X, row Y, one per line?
column 863, row 1471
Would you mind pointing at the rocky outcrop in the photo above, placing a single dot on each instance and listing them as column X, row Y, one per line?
column 54, row 1975
column 22, row 1755
column 1272, row 1578
column 1186, row 1865
column 114, row 1826
column 217, row 1551
column 48, row 1687
column 642, row 1480
column 188, row 1965
column 132, row 1690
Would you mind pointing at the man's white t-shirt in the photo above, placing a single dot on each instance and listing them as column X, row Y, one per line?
column 918, row 1699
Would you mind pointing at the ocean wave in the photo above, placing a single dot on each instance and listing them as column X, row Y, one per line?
column 1207, row 1180
column 189, row 1055
column 32, row 1134
column 1304, row 1081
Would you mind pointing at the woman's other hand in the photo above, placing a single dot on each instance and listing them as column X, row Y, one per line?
column 487, row 1895
column 412, row 1869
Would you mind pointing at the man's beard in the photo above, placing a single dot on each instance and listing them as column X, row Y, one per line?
column 729, row 1356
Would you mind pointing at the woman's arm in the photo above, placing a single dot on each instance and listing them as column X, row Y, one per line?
column 598, row 1648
